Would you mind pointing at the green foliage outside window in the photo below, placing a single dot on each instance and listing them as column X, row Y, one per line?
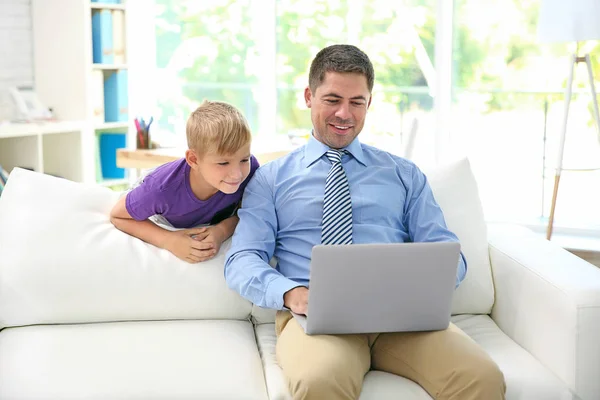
column 209, row 49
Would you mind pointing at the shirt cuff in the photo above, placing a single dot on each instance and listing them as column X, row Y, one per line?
column 462, row 270
column 276, row 289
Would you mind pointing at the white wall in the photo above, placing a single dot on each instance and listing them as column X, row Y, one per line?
column 16, row 58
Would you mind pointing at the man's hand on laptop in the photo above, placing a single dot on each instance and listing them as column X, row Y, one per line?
column 297, row 300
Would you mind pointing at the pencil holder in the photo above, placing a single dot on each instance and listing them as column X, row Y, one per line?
column 143, row 139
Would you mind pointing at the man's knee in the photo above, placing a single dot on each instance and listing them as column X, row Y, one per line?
column 490, row 375
column 328, row 380
column 478, row 381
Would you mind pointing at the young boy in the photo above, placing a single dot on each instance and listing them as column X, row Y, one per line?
column 205, row 187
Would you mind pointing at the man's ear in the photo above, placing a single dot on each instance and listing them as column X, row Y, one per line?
column 369, row 103
column 191, row 158
column 308, row 97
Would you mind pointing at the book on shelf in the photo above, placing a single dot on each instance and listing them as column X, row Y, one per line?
column 108, row 144
column 116, row 96
column 118, row 17
column 102, row 37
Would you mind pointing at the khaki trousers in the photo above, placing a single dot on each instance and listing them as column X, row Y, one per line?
column 448, row 364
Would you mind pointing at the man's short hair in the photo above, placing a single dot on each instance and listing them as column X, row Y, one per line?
column 217, row 127
column 343, row 58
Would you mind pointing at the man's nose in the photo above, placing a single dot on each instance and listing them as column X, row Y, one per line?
column 343, row 111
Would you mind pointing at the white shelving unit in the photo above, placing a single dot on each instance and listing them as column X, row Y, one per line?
column 63, row 68
column 101, row 6
column 109, row 67
column 53, row 148
column 105, row 126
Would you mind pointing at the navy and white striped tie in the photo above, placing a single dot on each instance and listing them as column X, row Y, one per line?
column 337, row 204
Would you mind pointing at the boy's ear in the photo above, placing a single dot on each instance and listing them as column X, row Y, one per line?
column 191, row 158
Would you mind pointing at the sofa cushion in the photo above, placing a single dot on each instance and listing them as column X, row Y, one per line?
column 383, row 386
column 377, row 385
column 62, row 261
column 274, row 378
column 525, row 377
column 455, row 190
column 132, row 360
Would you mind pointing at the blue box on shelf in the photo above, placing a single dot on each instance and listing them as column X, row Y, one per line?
column 116, row 97
column 109, row 143
column 102, row 37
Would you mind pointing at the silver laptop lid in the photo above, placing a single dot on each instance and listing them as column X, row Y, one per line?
column 395, row 287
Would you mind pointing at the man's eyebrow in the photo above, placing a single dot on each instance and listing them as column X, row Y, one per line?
column 337, row 96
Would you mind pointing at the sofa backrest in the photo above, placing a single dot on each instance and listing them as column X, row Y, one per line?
column 455, row 189
column 62, row 261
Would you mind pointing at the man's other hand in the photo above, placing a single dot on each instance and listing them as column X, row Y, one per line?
column 297, row 300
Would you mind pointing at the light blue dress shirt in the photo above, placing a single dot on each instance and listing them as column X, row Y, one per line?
column 282, row 210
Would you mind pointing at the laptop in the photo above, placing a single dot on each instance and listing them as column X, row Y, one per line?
column 368, row 288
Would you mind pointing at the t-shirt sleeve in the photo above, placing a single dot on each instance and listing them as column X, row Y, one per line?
column 145, row 201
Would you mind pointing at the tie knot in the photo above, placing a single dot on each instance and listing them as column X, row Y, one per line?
column 335, row 156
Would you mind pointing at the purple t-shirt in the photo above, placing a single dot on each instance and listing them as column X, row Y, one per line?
column 166, row 191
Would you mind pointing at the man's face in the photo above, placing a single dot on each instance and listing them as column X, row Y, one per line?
column 338, row 108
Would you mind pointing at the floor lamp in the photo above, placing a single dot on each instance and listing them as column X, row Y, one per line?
column 569, row 21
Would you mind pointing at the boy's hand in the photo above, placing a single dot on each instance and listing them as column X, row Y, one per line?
column 183, row 245
column 211, row 236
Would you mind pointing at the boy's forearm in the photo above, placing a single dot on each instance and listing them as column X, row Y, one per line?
column 227, row 226
column 147, row 231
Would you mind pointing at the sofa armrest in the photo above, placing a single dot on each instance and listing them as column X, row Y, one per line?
column 548, row 301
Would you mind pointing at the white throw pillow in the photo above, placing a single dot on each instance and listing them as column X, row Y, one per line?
column 62, row 261
column 455, row 189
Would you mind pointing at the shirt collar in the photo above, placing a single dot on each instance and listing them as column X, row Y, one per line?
column 313, row 150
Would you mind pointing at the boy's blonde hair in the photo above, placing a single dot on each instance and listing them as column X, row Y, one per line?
column 217, row 127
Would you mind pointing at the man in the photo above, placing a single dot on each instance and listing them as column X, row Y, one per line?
column 302, row 200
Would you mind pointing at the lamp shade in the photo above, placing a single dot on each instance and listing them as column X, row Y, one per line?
column 569, row 20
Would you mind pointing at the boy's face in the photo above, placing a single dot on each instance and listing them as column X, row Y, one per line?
column 221, row 172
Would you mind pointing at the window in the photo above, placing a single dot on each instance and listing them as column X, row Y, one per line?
column 205, row 50
column 507, row 115
column 507, row 88
column 255, row 54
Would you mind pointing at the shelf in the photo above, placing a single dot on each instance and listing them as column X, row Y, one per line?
column 111, row 126
column 103, row 6
column 144, row 158
column 109, row 67
column 38, row 128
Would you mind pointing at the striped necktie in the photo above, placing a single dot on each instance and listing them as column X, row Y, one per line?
column 337, row 204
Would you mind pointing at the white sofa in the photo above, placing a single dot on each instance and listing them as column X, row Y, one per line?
column 90, row 313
